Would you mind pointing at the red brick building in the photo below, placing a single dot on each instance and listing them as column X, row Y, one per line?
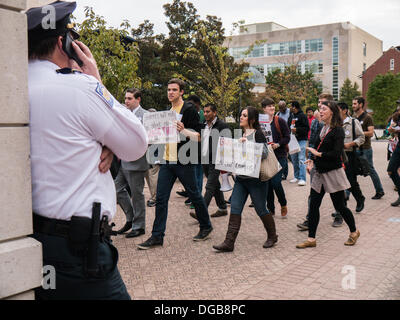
column 388, row 62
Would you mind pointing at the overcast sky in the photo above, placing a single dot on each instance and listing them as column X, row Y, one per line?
column 378, row 17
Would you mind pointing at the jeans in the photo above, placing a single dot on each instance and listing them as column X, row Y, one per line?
column 339, row 204
column 166, row 178
column 367, row 154
column 258, row 194
column 275, row 184
column 393, row 167
column 298, row 161
column 199, row 175
column 213, row 187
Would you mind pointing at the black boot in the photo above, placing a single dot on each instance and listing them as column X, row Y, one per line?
column 233, row 229
column 125, row 228
column 396, row 203
column 269, row 225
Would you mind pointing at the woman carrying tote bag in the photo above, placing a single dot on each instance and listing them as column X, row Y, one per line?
column 330, row 175
column 245, row 186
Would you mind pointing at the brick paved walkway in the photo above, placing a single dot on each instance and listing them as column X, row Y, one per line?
column 184, row 269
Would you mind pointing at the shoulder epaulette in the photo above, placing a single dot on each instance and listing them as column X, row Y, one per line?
column 68, row 71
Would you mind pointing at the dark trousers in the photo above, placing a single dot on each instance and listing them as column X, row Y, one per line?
column 275, row 185
column 166, row 178
column 352, row 177
column 393, row 167
column 213, row 187
column 338, row 201
column 285, row 167
column 71, row 281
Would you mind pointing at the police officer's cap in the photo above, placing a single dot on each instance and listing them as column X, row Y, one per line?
column 40, row 25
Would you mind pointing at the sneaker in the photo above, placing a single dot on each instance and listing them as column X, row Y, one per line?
column 188, row 202
column 182, row 194
column 338, row 221
column 203, row 234
column 294, row 180
column 150, row 243
column 303, row 226
column 302, row 183
column 378, row 195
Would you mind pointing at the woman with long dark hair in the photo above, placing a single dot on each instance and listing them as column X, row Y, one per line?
column 245, row 186
column 330, row 176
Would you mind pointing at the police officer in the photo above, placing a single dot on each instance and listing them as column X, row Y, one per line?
column 73, row 120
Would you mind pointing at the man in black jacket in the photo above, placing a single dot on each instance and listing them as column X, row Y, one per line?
column 180, row 159
column 212, row 129
column 299, row 126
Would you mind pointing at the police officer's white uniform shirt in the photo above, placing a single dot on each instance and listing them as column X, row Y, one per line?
column 71, row 118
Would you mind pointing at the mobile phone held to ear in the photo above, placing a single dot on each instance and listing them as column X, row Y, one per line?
column 67, row 47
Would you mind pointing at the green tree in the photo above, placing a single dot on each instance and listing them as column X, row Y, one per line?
column 348, row 92
column 382, row 95
column 195, row 52
column 214, row 76
column 151, row 68
column 291, row 84
column 117, row 58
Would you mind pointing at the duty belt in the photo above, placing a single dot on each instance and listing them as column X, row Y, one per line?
column 61, row 228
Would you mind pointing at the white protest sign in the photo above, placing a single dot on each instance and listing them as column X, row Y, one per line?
column 241, row 158
column 160, row 127
column 265, row 124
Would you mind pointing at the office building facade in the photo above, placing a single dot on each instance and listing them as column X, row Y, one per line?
column 333, row 52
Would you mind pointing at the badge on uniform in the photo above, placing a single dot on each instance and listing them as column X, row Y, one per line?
column 105, row 95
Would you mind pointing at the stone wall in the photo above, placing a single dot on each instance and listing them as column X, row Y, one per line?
column 20, row 256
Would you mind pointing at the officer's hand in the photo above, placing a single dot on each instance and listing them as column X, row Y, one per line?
column 89, row 63
column 106, row 159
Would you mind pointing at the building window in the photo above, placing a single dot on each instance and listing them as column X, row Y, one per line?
column 283, row 48
column 239, row 53
column 391, row 64
column 314, row 66
column 275, row 66
column 335, row 67
column 364, row 67
column 364, row 49
column 273, row 49
column 314, row 45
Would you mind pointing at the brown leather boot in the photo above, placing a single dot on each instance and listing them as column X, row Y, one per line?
column 269, row 225
column 233, row 230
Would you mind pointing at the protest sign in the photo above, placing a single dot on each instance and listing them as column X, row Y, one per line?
column 241, row 158
column 160, row 127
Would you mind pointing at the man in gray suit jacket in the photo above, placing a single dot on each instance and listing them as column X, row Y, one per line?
column 133, row 174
